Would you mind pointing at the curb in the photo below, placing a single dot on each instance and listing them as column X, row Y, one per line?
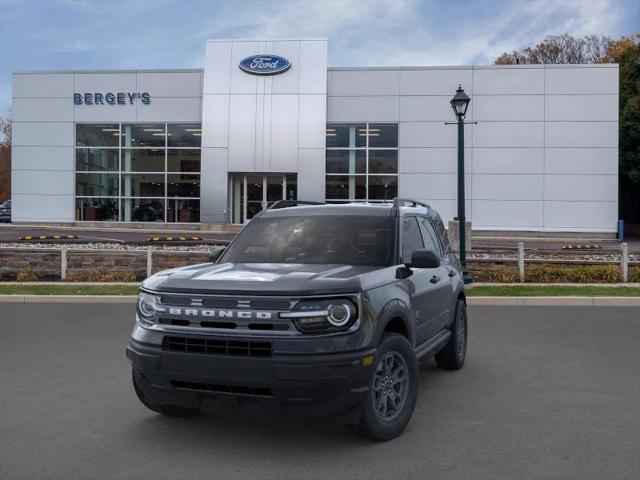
column 475, row 301
column 556, row 301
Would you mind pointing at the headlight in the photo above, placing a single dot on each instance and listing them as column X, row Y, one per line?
column 323, row 316
column 148, row 305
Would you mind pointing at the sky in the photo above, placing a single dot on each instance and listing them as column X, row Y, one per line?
column 114, row 34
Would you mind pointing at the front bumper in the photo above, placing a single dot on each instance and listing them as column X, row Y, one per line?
column 329, row 384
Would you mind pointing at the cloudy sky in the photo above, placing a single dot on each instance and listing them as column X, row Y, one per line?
column 94, row 34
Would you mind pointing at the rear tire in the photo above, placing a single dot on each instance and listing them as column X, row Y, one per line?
column 168, row 410
column 452, row 356
column 393, row 390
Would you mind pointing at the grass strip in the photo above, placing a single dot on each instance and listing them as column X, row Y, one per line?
column 552, row 291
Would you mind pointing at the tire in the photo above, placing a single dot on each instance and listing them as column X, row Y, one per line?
column 452, row 356
column 385, row 415
column 168, row 410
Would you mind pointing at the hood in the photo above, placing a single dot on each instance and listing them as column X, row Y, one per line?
column 270, row 279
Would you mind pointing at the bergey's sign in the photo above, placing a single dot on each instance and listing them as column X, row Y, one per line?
column 265, row 64
column 110, row 98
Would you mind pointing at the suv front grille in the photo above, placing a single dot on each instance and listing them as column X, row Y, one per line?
column 216, row 388
column 238, row 348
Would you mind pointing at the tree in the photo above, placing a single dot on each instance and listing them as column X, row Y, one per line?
column 560, row 49
column 599, row 49
column 5, row 159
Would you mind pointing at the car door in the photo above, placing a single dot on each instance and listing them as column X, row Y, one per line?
column 419, row 283
column 441, row 280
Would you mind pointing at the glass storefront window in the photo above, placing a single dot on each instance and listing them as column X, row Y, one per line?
column 184, row 135
column 187, row 161
column 383, row 135
column 383, row 161
column 143, row 185
column 144, row 135
column 143, row 160
column 346, row 187
column 346, row 136
column 143, row 209
column 362, row 162
column 346, row 161
column 149, row 171
column 183, row 211
column 179, row 185
column 96, row 209
column 97, row 159
column 102, row 135
column 383, row 187
column 96, row 185
column 291, row 190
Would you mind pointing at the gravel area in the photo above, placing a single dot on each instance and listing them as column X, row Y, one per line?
column 107, row 246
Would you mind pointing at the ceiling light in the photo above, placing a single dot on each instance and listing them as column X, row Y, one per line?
column 110, row 129
column 153, row 129
column 192, row 129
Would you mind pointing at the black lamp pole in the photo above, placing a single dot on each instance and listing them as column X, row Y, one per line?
column 460, row 103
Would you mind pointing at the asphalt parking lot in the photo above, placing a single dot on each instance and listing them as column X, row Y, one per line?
column 547, row 393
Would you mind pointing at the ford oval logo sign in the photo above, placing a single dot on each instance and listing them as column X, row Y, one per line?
column 265, row 64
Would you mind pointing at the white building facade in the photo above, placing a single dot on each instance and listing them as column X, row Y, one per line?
column 218, row 144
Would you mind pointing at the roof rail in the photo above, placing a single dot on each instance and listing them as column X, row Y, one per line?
column 401, row 202
column 292, row 203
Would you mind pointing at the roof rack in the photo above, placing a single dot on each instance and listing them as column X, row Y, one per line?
column 402, row 202
column 292, row 203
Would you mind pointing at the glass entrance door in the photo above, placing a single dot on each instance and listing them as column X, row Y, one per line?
column 250, row 193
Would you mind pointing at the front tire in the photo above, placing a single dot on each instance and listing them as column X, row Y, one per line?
column 393, row 390
column 452, row 356
column 168, row 410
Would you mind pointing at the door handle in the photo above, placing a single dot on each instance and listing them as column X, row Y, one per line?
column 435, row 279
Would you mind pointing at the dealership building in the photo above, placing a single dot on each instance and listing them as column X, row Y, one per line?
column 270, row 120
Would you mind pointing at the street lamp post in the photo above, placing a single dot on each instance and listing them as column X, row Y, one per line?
column 460, row 103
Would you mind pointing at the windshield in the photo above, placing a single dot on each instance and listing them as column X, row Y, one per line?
column 342, row 240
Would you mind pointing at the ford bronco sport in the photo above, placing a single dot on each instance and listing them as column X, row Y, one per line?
column 320, row 309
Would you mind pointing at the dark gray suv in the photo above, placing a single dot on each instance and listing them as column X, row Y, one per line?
column 312, row 309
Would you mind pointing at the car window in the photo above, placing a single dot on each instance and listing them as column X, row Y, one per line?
column 411, row 238
column 321, row 239
column 430, row 237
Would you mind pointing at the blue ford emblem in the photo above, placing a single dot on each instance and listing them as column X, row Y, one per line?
column 265, row 64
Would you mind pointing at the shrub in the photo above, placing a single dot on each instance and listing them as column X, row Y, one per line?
column 120, row 277
column 27, row 275
column 634, row 274
column 538, row 273
column 493, row 273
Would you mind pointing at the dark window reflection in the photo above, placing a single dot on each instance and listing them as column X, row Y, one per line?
column 383, row 161
column 97, row 159
column 183, row 211
column 292, row 187
column 96, row 185
column 346, row 187
column 183, row 185
column 142, row 210
column 383, row 187
column 383, row 135
column 346, row 135
column 187, row 161
column 102, row 135
column 346, row 161
column 143, row 135
column 184, row 135
column 143, row 185
column 143, row 160
column 96, row 209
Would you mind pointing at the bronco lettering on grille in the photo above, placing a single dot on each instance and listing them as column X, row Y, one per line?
column 209, row 313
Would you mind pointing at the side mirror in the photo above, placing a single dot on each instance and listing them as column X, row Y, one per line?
column 215, row 253
column 424, row 259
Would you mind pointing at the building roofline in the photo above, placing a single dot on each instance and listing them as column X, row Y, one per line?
column 109, row 70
